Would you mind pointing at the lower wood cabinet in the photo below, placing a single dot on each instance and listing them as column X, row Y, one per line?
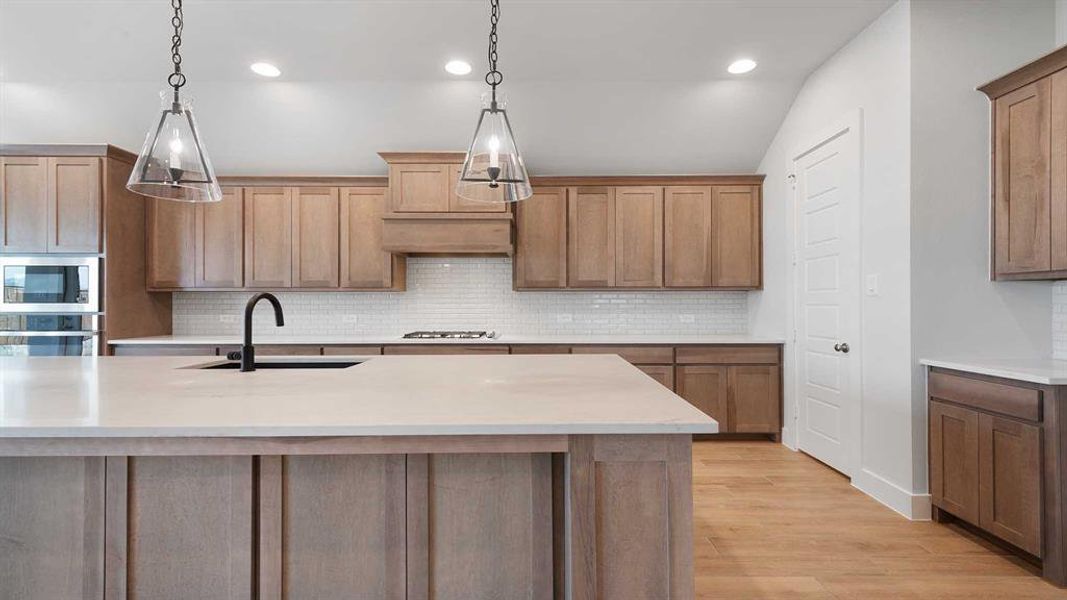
column 742, row 398
column 986, row 464
column 661, row 373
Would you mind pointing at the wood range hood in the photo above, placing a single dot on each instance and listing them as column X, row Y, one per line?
column 425, row 216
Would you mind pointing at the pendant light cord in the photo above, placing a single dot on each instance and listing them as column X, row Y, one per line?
column 493, row 77
column 176, row 79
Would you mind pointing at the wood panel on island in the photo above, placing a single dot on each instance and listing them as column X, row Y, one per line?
column 641, row 233
column 1029, row 189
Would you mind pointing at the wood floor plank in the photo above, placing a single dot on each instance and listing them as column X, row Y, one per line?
column 758, row 534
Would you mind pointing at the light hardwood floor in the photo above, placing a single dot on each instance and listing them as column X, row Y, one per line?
column 772, row 523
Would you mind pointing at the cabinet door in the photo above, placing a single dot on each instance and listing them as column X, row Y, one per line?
column 363, row 263
column 419, row 188
column 171, row 260
column 23, row 204
column 661, row 373
column 1058, row 172
column 1021, row 206
column 220, row 241
column 705, row 387
column 268, row 237
column 458, row 204
column 591, row 237
column 1010, row 481
column 735, row 236
column 316, row 227
column 753, row 399
column 687, row 237
column 954, row 459
column 541, row 240
column 74, row 204
column 639, row 237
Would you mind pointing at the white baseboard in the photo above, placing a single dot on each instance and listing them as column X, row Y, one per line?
column 913, row 506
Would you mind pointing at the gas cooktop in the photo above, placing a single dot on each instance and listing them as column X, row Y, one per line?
column 449, row 335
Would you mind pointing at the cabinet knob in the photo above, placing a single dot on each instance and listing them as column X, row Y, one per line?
column 842, row 347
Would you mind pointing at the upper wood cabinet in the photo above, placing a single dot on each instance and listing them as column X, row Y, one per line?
column 171, row 229
column 268, row 227
column 639, row 237
column 1029, row 109
column 74, row 204
column 735, row 236
column 50, row 204
column 687, row 235
column 219, row 244
column 541, row 240
column 316, row 230
column 363, row 263
column 591, row 237
column 456, row 203
column 643, row 237
column 419, row 187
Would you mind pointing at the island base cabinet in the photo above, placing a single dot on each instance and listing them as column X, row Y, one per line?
column 418, row 518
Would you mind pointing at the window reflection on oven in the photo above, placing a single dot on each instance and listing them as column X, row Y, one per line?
column 46, row 284
column 57, row 335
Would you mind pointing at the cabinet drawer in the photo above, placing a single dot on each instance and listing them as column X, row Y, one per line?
column 413, row 349
column 540, row 349
column 1019, row 402
column 351, row 350
column 728, row 355
column 649, row 355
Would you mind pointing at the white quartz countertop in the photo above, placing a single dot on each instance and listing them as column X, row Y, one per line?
column 1044, row 371
column 383, row 396
column 380, row 340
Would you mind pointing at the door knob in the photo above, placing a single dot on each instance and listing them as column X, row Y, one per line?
column 842, row 347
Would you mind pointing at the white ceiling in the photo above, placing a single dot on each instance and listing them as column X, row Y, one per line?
column 547, row 48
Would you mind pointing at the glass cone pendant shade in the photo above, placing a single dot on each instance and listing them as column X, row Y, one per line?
column 494, row 170
column 173, row 163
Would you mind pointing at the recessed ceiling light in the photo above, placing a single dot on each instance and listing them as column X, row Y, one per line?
column 265, row 69
column 743, row 65
column 458, row 67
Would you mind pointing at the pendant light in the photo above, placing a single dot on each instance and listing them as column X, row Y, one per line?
column 173, row 163
column 494, row 170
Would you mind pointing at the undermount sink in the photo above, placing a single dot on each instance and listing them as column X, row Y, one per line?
column 295, row 364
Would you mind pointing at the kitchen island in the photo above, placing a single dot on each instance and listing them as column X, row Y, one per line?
column 400, row 477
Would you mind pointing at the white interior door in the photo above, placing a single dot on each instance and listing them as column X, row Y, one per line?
column 827, row 312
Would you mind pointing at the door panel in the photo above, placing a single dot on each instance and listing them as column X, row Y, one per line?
column 268, row 237
column 591, row 232
column 661, row 373
column 74, row 204
column 1022, row 176
column 826, row 195
column 316, row 228
column 171, row 260
column 705, row 387
column 220, row 241
column 954, row 460
column 419, row 188
column 363, row 263
column 753, row 403
column 23, row 204
column 735, row 236
column 687, row 237
column 1058, row 171
column 1010, row 481
column 639, row 237
column 541, row 240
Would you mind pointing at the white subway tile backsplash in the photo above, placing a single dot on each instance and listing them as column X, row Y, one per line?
column 1059, row 320
column 474, row 293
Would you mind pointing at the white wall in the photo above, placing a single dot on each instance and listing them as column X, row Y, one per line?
column 336, row 128
column 925, row 219
column 956, row 309
column 872, row 74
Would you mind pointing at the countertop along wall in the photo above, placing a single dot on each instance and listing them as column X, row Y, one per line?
column 465, row 294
